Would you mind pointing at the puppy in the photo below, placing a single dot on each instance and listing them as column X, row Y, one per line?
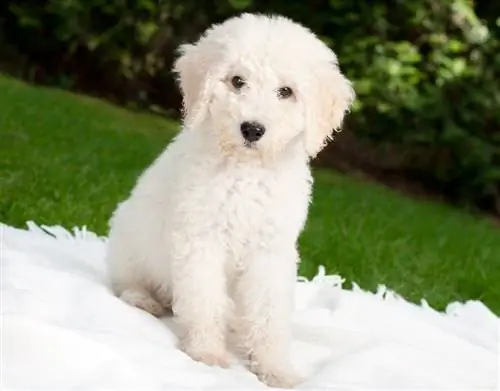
column 210, row 229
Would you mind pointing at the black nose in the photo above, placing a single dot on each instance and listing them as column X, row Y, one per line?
column 252, row 131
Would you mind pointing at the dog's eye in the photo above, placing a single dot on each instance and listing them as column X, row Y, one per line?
column 285, row 92
column 237, row 82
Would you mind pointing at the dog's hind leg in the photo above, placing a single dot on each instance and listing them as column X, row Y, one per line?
column 129, row 278
column 141, row 298
column 164, row 296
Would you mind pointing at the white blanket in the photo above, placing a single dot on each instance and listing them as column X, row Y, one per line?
column 63, row 329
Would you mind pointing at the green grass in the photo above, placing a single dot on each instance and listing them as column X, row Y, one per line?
column 67, row 159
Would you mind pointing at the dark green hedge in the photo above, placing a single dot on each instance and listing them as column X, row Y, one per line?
column 426, row 72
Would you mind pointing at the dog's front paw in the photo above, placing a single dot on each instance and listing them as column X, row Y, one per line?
column 220, row 359
column 278, row 378
column 213, row 357
column 275, row 374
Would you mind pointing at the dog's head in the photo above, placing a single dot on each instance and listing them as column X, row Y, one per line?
column 262, row 84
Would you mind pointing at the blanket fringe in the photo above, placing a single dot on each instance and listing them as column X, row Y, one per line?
column 59, row 232
column 321, row 279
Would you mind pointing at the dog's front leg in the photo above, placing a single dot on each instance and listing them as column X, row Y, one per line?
column 264, row 303
column 200, row 302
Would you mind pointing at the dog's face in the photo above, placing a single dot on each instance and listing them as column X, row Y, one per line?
column 255, row 106
column 261, row 84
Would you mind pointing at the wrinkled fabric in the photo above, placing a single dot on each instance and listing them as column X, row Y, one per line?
column 63, row 329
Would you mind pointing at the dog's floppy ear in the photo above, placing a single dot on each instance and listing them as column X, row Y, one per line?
column 330, row 97
column 197, row 70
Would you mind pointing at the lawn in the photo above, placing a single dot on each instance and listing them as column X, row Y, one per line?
column 67, row 159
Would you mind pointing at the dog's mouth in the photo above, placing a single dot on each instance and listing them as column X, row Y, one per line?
column 250, row 144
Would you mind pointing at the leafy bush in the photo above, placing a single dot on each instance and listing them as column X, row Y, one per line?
column 426, row 72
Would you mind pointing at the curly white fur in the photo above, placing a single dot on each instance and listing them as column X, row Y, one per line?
column 211, row 228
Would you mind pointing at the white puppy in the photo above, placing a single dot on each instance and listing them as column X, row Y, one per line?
column 211, row 228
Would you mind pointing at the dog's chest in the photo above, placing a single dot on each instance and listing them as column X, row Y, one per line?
column 258, row 208
column 248, row 205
